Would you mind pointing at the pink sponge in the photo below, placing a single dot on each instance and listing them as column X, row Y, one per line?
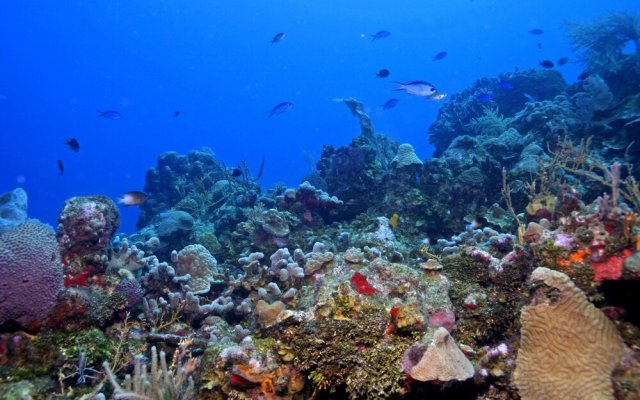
column 30, row 273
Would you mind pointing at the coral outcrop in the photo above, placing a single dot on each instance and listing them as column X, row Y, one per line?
column 86, row 224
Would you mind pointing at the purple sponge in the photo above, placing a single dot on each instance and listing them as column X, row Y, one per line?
column 30, row 273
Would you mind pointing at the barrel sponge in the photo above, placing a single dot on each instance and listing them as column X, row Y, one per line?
column 30, row 273
column 568, row 347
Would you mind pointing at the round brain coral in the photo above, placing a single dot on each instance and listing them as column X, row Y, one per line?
column 30, row 273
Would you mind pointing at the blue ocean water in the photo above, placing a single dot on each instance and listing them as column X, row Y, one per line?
column 61, row 62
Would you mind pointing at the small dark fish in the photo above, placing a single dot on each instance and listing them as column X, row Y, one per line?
column 73, row 144
column 485, row 97
column 261, row 169
column 389, row 104
column 440, row 55
column 109, row 114
column 383, row 73
column 380, row 35
column 547, row 64
column 539, row 46
column 418, row 88
column 536, row 31
column 133, row 198
column 280, row 108
column 278, row 37
column 60, row 167
column 583, row 75
column 176, row 113
column 563, row 61
column 505, row 85
column 236, row 172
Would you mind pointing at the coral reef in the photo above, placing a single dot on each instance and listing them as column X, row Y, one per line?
column 457, row 116
column 506, row 266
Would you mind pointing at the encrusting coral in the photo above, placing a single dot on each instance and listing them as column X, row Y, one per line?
column 568, row 348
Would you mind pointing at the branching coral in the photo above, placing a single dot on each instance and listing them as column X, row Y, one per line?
column 161, row 383
column 580, row 161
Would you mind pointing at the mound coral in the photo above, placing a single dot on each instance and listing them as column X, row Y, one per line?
column 406, row 157
column 196, row 261
column 31, row 273
column 441, row 360
column 86, row 224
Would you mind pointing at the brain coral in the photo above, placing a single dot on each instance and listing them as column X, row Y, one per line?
column 406, row 156
column 30, row 273
column 568, row 347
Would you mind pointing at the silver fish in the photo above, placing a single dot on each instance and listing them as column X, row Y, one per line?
column 418, row 88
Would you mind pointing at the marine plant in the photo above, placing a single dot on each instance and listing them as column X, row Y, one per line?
column 490, row 123
column 601, row 44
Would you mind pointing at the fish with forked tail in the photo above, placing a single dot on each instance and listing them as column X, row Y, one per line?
column 417, row 88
